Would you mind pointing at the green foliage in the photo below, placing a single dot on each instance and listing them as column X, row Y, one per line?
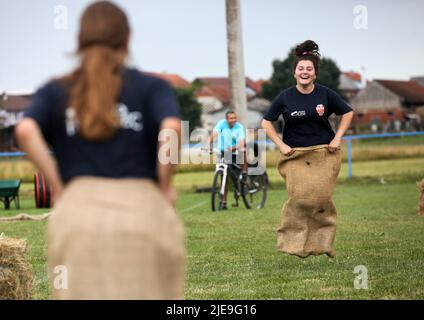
column 329, row 75
column 191, row 110
column 282, row 77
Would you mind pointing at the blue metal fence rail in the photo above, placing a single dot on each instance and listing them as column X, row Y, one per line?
column 12, row 154
column 372, row 136
column 347, row 138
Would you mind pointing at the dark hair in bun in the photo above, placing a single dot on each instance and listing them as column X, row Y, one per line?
column 307, row 50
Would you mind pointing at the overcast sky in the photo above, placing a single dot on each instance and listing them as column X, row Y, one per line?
column 188, row 37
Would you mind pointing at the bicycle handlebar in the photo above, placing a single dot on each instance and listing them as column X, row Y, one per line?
column 212, row 151
column 218, row 152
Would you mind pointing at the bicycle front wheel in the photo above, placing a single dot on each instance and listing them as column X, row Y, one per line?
column 218, row 180
column 254, row 191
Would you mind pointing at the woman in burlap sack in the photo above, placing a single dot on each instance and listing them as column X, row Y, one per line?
column 114, row 232
column 310, row 156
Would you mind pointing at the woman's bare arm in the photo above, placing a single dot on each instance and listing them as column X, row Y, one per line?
column 273, row 135
column 31, row 141
column 166, row 168
column 344, row 125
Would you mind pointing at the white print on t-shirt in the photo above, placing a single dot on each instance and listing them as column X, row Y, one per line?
column 320, row 109
column 129, row 120
column 298, row 113
column 71, row 122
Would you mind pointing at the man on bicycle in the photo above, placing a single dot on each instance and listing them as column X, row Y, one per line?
column 231, row 141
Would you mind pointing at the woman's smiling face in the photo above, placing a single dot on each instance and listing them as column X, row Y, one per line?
column 305, row 73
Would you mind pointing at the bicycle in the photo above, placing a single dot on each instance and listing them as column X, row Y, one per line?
column 251, row 188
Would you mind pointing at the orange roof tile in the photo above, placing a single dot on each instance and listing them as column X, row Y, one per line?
column 220, row 87
column 412, row 91
column 173, row 79
column 353, row 75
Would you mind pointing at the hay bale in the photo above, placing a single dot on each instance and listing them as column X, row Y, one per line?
column 16, row 279
column 421, row 200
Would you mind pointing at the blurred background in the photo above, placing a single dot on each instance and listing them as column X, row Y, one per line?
column 372, row 56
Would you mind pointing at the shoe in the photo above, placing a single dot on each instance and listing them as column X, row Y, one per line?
column 224, row 206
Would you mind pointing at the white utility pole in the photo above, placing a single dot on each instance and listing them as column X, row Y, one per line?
column 237, row 77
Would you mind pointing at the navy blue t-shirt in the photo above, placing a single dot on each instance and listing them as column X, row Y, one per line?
column 306, row 115
column 131, row 153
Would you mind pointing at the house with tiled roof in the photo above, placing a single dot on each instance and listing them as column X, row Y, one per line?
column 173, row 79
column 214, row 96
column 351, row 83
column 223, row 83
column 259, row 83
column 419, row 79
column 385, row 101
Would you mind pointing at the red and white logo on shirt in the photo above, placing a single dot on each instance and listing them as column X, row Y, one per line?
column 320, row 109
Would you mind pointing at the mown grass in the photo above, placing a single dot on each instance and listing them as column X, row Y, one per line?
column 232, row 254
column 392, row 141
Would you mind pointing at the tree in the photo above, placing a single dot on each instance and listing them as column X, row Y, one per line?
column 191, row 110
column 282, row 77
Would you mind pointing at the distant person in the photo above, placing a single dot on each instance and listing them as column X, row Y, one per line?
column 398, row 125
column 310, row 156
column 231, row 142
column 114, row 225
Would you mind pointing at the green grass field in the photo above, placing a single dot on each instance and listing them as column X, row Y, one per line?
column 232, row 254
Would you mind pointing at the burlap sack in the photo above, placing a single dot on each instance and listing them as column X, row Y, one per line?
column 117, row 239
column 308, row 218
